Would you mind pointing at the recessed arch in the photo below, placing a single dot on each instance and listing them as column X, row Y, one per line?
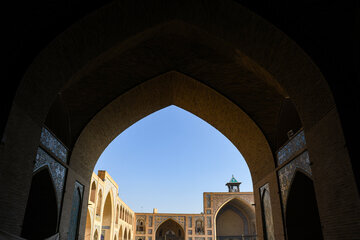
column 41, row 215
column 170, row 229
column 99, row 202
column 96, row 235
column 121, row 234
column 301, row 209
column 93, row 192
column 125, row 234
column 107, row 217
column 234, row 218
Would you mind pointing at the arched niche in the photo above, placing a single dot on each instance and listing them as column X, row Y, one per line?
column 235, row 219
column 302, row 214
column 170, row 230
column 41, row 215
column 93, row 192
column 121, row 233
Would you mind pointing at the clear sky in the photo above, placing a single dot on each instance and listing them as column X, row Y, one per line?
column 168, row 159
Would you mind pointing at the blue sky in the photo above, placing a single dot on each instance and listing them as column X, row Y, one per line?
column 168, row 159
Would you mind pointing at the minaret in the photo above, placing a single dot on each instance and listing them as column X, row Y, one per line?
column 233, row 185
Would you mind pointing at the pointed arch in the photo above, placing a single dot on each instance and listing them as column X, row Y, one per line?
column 96, row 235
column 93, row 192
column 41, row 214
column 107, row 217
column 121, row 236
column 125, row 234
column 117, row 214
column 301, row 210
column 234, row 218
column 170, row 229
column 99, row 202
column 250, row 50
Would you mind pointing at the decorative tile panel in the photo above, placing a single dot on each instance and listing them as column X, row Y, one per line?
column 57, row 172
column 286, row 173
column 267, row 212
column 208, row 222
column 150, row 221
column 190, row 221
column 208, row 200
column 294, row 145
column 75, row 211
column 49, row 141
column 160, row 219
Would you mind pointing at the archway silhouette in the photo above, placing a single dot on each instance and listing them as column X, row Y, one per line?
column 41, row 211
column 237, row 54
column 302, row 215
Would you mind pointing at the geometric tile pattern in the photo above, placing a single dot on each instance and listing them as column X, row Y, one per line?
column 286, row 173
column 294, row 145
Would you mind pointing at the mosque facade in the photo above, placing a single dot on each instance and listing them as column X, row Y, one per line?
column 226, row 216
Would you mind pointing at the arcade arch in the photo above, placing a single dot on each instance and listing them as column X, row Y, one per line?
column 88, row 226
column 107, row 218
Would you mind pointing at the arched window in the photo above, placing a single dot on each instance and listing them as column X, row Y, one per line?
column 199, row 227
column 93, row 192
column 96, row 235
column 99, row 202
column 117, row 215
column 140, row 225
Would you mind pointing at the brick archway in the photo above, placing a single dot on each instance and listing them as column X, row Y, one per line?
column 238, row 54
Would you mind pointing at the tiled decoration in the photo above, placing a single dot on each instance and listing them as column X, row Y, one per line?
column 75, row 211
column 208, row 200
column 160, row 219
column 286, row 173
column 50, row 142
column 150, row 221
column 293, row 146
column 208, row 222
column 190, row 222
column 267, row 212
column 57, row 172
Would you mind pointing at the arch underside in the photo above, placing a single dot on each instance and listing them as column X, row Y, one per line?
column 224, row 64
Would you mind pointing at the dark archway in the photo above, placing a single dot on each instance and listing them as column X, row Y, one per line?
column 41, row 211
column 170, row 230
column 302, row 215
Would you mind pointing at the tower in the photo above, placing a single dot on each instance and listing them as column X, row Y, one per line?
column 233, row 185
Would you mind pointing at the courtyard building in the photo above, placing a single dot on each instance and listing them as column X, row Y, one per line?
column 226, row 216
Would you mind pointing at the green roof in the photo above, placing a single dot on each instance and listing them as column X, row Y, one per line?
column 233, row 180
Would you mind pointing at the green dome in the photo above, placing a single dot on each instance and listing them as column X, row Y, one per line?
column 233, row 180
